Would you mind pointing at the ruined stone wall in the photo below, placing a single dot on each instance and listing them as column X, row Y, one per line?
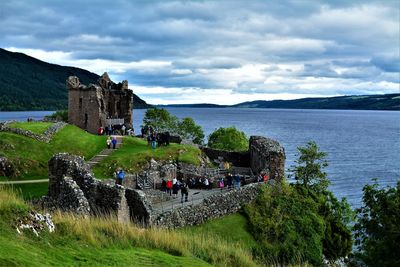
column 239, row 159
column 90, row 106
column 72, row 187
column 267, row 156
column 212, row 207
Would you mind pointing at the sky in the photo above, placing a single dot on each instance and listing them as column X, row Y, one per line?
column 221, row 52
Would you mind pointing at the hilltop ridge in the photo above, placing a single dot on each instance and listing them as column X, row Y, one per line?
column 27, row 83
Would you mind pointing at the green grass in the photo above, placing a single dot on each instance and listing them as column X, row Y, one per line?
column 135, row 152
column 31, row 190
column 31, row 156
column 81, row 241
column 231, row 228
column 36, row 127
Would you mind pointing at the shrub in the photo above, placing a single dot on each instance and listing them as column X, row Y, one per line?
column 377, row 230
column 59, row 115
column 228, row 139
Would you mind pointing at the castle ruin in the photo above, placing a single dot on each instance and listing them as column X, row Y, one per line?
column 99, row 105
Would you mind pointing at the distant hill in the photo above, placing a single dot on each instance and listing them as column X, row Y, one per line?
column 370, row 102
column 366, row 102
column 193, row 106
column 27, row 83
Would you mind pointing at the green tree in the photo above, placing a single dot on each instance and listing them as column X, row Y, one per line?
column 160, row 120
column 188, row 129
column 309, row 169
column 377, row 230
column 287, row 226
column 228, row 139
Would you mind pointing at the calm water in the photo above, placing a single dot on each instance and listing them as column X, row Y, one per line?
column 361, row 145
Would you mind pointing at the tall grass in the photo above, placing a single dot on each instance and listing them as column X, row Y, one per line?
column 11, row 201
column 106, row 231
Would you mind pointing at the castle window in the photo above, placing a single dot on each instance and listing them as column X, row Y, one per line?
column 80, row 103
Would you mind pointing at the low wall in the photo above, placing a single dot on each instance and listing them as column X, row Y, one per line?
column 45, row 137
column 239, row 159
column 212, row 207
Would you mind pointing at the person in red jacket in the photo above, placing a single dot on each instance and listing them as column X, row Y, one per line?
column 169, row 186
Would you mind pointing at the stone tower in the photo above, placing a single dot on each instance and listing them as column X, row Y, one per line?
column 98, row 105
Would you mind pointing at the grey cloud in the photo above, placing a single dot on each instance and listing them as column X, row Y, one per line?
column 215, row 36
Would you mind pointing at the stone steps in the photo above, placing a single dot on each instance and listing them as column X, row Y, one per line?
column 105, row 152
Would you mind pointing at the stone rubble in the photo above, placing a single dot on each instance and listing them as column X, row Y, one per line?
column 36, row 222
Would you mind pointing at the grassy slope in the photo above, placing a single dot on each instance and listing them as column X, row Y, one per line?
column 104, row 242
column 135, row 153
column 232, row 228
column 35, row 127
column 31, row 156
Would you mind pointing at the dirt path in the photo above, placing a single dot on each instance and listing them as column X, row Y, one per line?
column 25, row 181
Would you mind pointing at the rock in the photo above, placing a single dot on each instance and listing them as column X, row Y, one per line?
column 7, row 168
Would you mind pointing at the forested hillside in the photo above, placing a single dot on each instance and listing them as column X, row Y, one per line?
column 27, row 83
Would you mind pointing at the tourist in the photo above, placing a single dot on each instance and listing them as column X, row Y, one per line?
column 114, row 142
column 175, row 189
column 184, row 192
column 108, row 142
column 174, row 181
column 265, row 178
column 229, row 179
column 120, row 176
column 163, row 185
column 149, row 140
column 123, row 128
column 210, row 183
column 260, row 177
column 236, row 178
column 100, row 131
column 221, row 183
column 154, row 140
column 206, row 183
column 168, row 185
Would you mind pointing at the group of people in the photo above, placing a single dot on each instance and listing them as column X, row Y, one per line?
column 112, row 140
column 153, row 138
column 114, row 129
column 173, row 186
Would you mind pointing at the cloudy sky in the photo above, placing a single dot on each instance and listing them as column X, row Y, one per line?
column 216, row 51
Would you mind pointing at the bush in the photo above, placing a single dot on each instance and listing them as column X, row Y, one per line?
column 287, row 226
column 228, row 139
column 377, row 230
column 162, row 121
column 59, row 115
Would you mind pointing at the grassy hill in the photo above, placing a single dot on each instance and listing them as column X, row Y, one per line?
column 92, row 241
column 27, row 83
column 30, row 156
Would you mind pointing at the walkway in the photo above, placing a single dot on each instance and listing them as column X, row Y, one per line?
column 25, row 181
column 196, row 196
column 105, row 153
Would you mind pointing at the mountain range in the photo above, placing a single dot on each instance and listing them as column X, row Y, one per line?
column 27, row 83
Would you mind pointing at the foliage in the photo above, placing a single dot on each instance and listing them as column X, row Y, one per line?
column 309, row 169
column 188, row 129
column 378, row 226
column 228, row 139
column 287, row 226
column 162, row 121
column 304, row 221
column 59, row 115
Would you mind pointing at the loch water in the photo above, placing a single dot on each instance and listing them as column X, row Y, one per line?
column 361, row 145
